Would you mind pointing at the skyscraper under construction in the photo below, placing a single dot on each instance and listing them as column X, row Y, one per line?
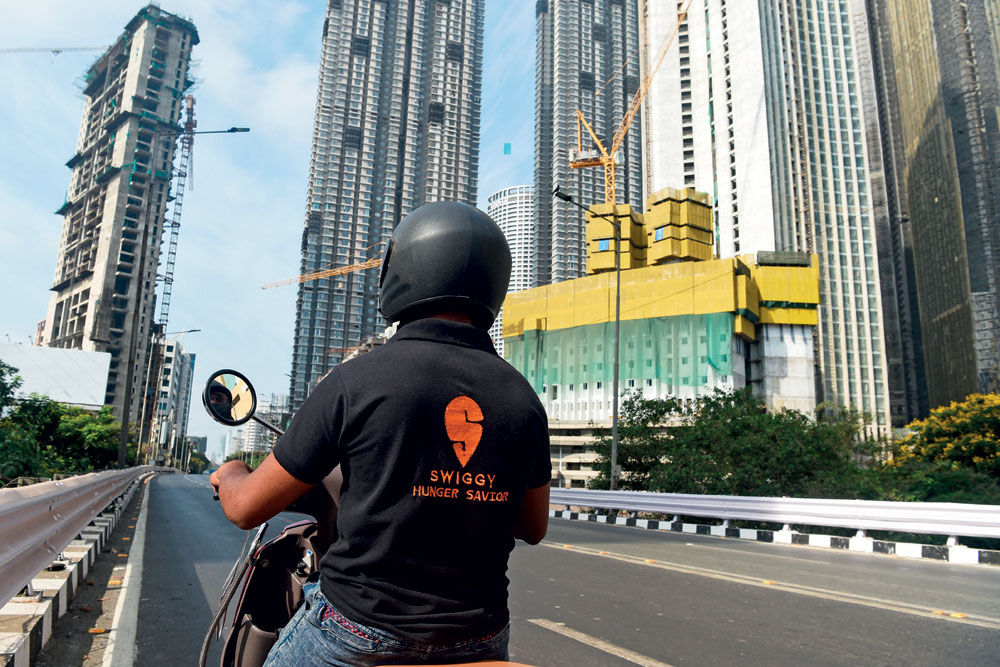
column 119, row 188
column 396, row 125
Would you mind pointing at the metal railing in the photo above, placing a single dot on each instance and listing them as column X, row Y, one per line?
column 952, row 519
column 37, row 522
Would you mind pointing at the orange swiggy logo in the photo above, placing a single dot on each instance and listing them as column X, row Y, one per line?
column 463, row 421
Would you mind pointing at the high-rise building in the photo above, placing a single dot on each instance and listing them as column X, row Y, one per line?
column 760, row 104
column 172, row 400
column 118, row 193
column 513, row 209
column 938, row 75
column 198, row 443
column 396, row 126
column 255, row 439
column 585, row 60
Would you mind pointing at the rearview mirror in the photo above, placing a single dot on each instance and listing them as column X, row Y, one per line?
column 229, row 398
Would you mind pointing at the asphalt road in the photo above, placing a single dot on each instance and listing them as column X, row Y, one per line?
column 651, row 599
column 704, row 601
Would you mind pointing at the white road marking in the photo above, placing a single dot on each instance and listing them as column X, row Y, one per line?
column 205, row 484
column 599, row 644
column 120, row 651
column 838, row 596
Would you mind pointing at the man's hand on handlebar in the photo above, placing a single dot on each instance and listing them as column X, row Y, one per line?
column 215, row 479
column 251, row 497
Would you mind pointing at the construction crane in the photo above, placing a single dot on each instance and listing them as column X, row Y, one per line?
column 603, row 157
column 184, row 170
column 55, row 50
column 326, row 273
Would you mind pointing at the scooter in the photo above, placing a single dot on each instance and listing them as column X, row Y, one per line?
column 273, row 572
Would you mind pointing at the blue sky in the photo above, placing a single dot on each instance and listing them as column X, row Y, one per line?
column 256, row 66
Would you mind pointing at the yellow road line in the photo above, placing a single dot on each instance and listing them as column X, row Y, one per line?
column 599, row 644
column 757, row 553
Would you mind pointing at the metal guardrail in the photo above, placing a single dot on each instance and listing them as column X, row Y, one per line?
column 953, row 519
column 37, row 522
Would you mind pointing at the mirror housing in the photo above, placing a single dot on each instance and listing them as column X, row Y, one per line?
column 229, row 397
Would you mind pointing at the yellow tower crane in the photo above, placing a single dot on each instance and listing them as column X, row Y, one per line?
column 580, row 159
column 326, row 273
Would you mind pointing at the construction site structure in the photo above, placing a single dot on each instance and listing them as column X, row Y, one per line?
column 690, row 323
column 105, row 276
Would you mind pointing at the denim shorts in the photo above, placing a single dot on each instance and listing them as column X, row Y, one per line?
column 320, row 635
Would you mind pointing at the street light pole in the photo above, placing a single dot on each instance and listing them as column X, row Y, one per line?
column 618, row 306
column 139, row 281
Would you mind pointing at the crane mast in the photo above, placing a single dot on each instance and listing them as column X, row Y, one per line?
column 152, row 384
column 174, row 224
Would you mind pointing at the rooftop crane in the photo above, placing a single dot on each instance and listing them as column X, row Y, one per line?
column 580, row 159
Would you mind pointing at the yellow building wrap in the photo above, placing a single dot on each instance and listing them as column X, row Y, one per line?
column 754, row 294
column 683, row 313
column 676, row 227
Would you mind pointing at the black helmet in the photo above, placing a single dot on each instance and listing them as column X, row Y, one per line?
column 445, row 255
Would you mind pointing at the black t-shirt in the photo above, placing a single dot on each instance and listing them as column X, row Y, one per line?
column 438, row 438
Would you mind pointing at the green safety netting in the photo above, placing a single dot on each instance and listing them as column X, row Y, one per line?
column 677, row 350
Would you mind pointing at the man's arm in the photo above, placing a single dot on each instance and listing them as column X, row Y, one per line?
column 533, row 522
column 251, row 498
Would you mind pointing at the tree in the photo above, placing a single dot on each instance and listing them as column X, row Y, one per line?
column 963, row 435
column 728, row 444
column 39, row 437
column 199, row 463
column 951, row 456
column 10, row 381
column 642, row 442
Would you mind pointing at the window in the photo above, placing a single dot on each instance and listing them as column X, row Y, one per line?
column 604, row 244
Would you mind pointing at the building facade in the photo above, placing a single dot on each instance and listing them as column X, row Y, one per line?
column 118, row 193
column 938, row 96
column 198, row 443
column 254, row 439
column 396, row 126
column 513, row 209
column 761, row 105
column 173, row 401
column 585, row 60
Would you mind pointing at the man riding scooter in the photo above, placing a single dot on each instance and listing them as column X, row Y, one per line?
column 444, row 452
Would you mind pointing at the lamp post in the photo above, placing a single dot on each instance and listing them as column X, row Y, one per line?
column 140, row 280
column 618, row 304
